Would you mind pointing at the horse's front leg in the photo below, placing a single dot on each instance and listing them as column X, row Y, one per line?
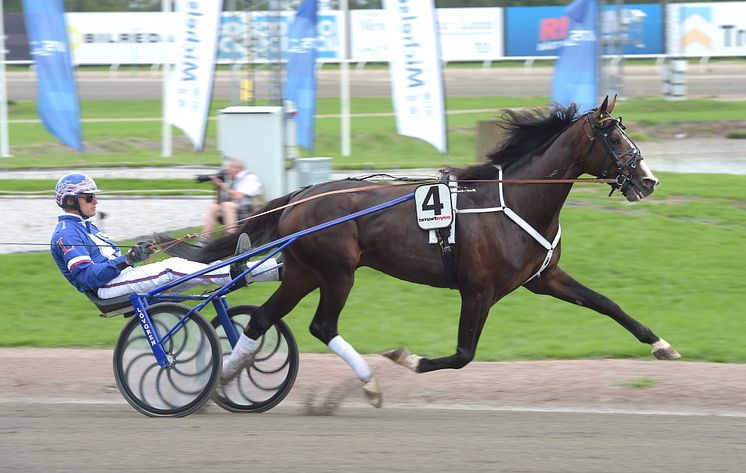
column 474, row 311
column 557, row 283
column 333, row 295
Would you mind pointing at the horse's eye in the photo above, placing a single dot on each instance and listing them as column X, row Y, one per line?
column 614, row 141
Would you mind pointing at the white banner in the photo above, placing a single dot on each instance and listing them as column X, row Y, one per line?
column 415, row 70
column 190, row 86
column 466, row 34
column 708, row 29
column 119, row 38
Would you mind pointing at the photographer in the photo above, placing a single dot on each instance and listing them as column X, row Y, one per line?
column 238, row 194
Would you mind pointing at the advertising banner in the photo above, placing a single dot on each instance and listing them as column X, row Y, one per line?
column 300, row 86
column 540, row 31
column 265, row 29
column 16, row 41
column 121, row 38
column 57, row 101
column 708, row 29
column 141, row 37
column 190, row 85
column 466, row 34
column 575, row 78
column 415, row 71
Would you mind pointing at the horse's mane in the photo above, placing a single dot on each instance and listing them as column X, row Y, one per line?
column 528, row 132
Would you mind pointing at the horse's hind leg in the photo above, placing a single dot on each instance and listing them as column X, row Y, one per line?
column 474, row 311
column 557, row 283
column 295, row 285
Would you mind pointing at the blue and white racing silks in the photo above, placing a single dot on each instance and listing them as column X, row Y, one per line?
column 85, row 256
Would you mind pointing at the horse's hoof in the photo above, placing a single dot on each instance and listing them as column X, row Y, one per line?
column 663, row 350
column 373, row 394
column 402, row 357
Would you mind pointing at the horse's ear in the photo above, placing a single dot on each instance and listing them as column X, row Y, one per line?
column 611, row 106
column 602, row 108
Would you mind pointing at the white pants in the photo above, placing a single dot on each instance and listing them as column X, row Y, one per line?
column 140, row 279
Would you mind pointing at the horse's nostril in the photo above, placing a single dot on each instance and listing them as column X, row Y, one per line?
column 650, row 182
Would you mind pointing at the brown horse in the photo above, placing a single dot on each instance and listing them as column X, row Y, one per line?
column 494, row 254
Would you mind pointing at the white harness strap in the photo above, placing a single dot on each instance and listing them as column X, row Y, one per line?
column 520, row 222
column 453, row 184
column 433, row 238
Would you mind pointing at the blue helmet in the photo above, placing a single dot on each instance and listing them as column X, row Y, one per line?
column 73, row 185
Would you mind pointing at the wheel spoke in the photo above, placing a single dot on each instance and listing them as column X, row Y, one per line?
column 184, row 386
column 269, row 380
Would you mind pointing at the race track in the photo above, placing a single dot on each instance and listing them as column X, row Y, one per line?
column 60, row 411
column 95, row 438
column 722, row 80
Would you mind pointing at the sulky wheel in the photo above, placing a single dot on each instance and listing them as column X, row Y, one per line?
column 270, row 379
column 188, row 383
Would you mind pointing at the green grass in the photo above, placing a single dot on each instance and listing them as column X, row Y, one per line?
column 375, row 142
column 674, row 261
column 641, row 383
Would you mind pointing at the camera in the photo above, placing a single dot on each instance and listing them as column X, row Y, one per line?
column 206, row 177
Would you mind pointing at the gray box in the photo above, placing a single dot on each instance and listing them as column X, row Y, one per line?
column 255, row 135
column 308, row 171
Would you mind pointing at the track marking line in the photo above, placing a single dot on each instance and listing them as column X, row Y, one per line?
column 439, row 407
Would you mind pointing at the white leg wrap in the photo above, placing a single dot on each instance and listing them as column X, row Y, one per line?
column 241, row 356
column 244, row 346
column 661, row 345
column 348, row 353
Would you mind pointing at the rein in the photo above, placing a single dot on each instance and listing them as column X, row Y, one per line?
column 594, row 180
column 190, row 236
column 599, row 132
column 425, row 181
column 160, row 247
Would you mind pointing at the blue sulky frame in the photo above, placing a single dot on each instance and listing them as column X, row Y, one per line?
column 140, row 302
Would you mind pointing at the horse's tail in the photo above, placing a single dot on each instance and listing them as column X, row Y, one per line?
column 261, row 229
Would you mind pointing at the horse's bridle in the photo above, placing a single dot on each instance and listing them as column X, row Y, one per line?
column 624, row 168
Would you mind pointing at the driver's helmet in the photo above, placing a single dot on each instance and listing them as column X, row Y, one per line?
column 73, row 185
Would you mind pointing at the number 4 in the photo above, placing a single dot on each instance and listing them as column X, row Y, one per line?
column 434, row 196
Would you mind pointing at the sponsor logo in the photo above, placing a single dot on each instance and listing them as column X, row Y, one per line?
column 436, row 218
column 552, row 33
column 148, row 331
column 697, row 23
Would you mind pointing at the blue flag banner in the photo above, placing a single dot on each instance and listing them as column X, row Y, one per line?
column 300, row 86
column 57, row 101
column 576, row 70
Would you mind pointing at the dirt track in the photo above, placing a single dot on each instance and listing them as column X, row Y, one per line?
column 59, row 375
column 60, row 411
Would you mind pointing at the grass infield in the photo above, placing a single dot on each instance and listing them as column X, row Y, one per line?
column 135, row 138
column 674, row 261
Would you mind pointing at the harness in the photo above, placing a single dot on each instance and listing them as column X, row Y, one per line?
column 444, row 237
column 624, row 168
column 444, row 241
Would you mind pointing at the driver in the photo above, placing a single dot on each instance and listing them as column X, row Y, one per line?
column 92, row 262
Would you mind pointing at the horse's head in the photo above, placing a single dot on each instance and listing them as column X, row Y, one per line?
column 614, row 155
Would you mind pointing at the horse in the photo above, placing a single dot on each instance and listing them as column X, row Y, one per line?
column 493, row 253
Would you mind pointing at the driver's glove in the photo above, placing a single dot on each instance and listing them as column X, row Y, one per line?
column 140, row 252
